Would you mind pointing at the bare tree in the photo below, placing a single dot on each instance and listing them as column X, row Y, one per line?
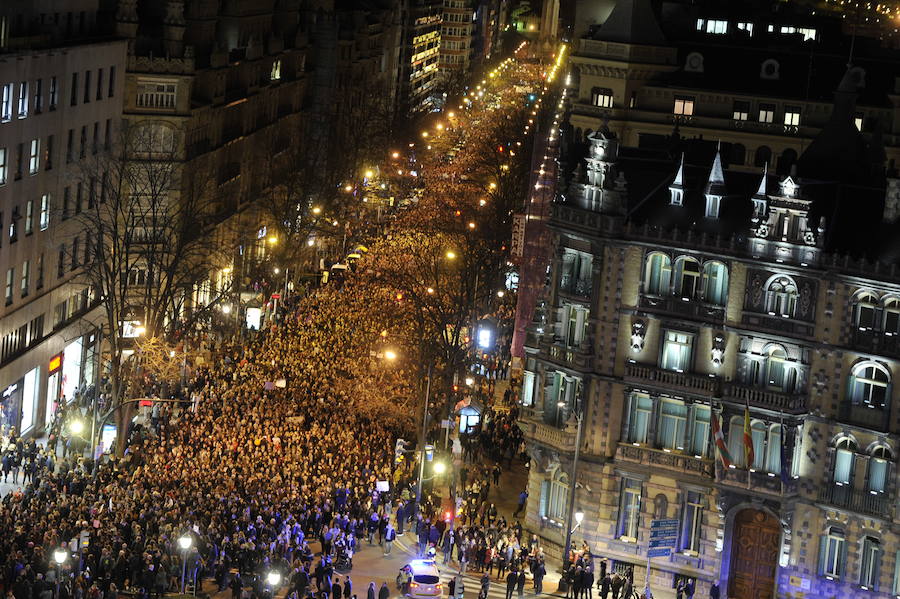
column 151, row 247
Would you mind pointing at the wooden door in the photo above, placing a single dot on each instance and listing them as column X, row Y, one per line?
column 756, row 538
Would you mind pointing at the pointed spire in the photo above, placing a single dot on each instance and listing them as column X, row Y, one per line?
column 761, row 191
column 676, row 187
column 679, row 176
column 716, row 183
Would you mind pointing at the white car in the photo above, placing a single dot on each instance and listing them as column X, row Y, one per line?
column 420, row 578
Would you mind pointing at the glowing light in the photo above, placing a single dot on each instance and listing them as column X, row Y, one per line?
column 390, row 355
column 77, row 427
column 451, row 255
column 226, row 309
column 369, row 174
column 348, row 188
column 184, row 542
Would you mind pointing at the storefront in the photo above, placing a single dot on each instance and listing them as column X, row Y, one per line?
column 54, row 374
column 18, row 403
column 71, row 370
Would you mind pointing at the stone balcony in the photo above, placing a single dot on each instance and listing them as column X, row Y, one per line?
column 778, row 324
column 669, row 379
column 676, row 306
column 793, row 403
column 658, row 458
column 846, row 497
column 536, row 430
column 574, row 287
column 569, row 357
column 763, row 482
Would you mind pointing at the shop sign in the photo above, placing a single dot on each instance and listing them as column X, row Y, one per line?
column 55, row 363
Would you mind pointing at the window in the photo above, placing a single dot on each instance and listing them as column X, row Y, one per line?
column 19, row 158
column 629, row 509
column 10, row 278
column 869, row 385
column 34, row 157
column 6, row 92
column 701, row 24
column 61, row 261
column 741, row 110
column 576, row 325
column 858, row 122
column 95, row 139
column 87, row 87
column 832, row 555
column 48, row 154
column 748, row 27
column 672, row 424
column 736, row 440
column 75, row 244
column 792, row 116
column 25, row 282
column 29, row 217
column 843, row 461
column 870, row 563
column 781, row 297
column 83, row 145
column 3, row 167
column 773, row 450
column 780, row 373
column 766, row 113
column 152, row 94
column 687, row 277
column 864, row 309
column 691, row 522
column 54, row 93
column 555, row 496
column 659, row 271
column 39, row 283
column 640, row 408
column 528, row 383
column 100, row 84
column 14, row 225
column 876, row 479
column 684, row 105
column 716, row 26
column 66, row 202
column 275, row 74
column 23, row 99
column 112, row 82
column 107, row 135
column 676, row 353
column 715, row 283
column 70, row 146
column 797, row 454
column 73, row 93
column 602, row 97
column 758, row 436
column 700, row 431
column 45, row 211
column 890, row 308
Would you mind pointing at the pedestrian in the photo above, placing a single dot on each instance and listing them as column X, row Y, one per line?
column 689, row 588
column 520, row 583
column 679, row 589
column 511, row 580
column 460, row 588
column 384, row 592
column 587, row 587
column 714, row 591
column 627, row 588
column 370, row 592
column 539, row 572
column 389, row 536
column 616, row 585
column 348, row 588
column 523, row 499
column 605, row 585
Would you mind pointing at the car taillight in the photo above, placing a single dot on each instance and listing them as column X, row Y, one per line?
column 413, row 585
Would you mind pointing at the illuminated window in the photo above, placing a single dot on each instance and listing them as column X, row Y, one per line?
column 792, row 116
column 869, row 385
column 833, row 553
column 684, row 105
column 275, row 74
column 691, row 522
column 844, row 454
column 781, row 297
column 555, row 496
column 890, row 308
column 640, row 408
column 741, row 110
column 870, row 563
column 715, row 283
column 876, row 477
column 766, row 113
column 657, row 275
column 716, row 26
column 687, row 277
column 748, row 27
column 865, row 310
column 676, row 354
column 629, row 509
column 602, row 97
column 673, row 417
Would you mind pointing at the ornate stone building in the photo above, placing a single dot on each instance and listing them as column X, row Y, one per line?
column 684, row 295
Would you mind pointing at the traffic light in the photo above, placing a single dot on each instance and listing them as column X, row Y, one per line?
column 399, row 449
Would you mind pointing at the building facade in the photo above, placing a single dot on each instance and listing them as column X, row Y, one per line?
column 457, row 28
column 420, row 51
column 61, row 85
column 689, row 303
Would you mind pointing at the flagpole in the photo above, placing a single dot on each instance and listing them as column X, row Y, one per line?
column 712, row 438
column 749, row 456
column 781, row 451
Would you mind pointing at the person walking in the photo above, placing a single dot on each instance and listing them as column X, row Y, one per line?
column 539, row 572
column 384, row 592
column 371, row 592
column 520, row 583
column 389, row 535
column 616, row 585
column 523, row 499
column 348, row 588
column 605, row 585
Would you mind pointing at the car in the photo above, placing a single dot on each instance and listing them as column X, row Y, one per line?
column 420, row 578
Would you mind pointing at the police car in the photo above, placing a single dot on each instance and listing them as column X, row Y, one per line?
column 420, row 578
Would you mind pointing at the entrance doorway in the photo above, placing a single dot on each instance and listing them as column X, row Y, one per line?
column 754, row 555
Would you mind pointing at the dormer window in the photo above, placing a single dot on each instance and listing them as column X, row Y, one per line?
column 602, row 97
column 792, row 116
column 676, row 196
column 788, row 188
column 741, row 110
column 684, row 105
column 712, row 205
column 766, row 113
column 748, row 27
column 716, row 26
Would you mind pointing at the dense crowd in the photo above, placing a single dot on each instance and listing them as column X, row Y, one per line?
column 251, row 475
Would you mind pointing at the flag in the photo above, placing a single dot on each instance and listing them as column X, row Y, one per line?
column 748, row 439
column 785, row 477
column 719, row 438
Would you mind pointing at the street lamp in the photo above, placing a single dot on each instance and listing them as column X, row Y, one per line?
column 439, row 467
column 451, row 255
column 390, row 355
column 273, row 239
column 226, row 309
column 184, row 542
column 140, row 331
column 77, row 427
column 274, row 579
column 59, row 557
column 578, row 412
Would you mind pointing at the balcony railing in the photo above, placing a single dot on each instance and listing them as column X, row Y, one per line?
column 535, row 429
column 864, row 415
column 579, row 358
column 759, row 481
column 686, row 381
column 845, row 496
column 683, row 307
column 766, row 399
column 876, row 342
column 649, row 456
column 570, row 285
column 778, row 324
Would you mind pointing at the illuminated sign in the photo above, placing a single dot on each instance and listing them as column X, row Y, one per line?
column 10, row 390
column 55, row 363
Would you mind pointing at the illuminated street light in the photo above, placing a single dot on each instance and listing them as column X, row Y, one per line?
column 424, row 133
column 77, row 427
column 317, row 210
column 451, row 255
column 492, row 185
column 395, row 155
column 439, row 467
column 348, row 188
column 273, row 578
column 501, row 293
column 277, row 270
column 390, row 355
column 226, row 309
column 273, row 240
column 469, row 381
column 369, row 174
column 60, row 556
column 310, row 242
column 430, row 290
column 140, row 331
column 471, row 225
column 579, row 517
column 184, row 541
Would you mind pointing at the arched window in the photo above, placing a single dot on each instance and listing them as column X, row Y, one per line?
column 876, row 478
column 864, row 310
column 773, row 450
column 780, row 373
column 762, row 157
column 781, row 296
column 555, row 496
column 844, row 452
column 715, row 283
column 869, row 385
column 891, row 316
column 687, row 277
column 870, row 563
column 758, row 435
column 657, row 275
column 736, row 440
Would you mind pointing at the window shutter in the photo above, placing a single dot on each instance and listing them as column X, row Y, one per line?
column 842, row 565
column 876, row 576
column 823, row 542
column 545, row 490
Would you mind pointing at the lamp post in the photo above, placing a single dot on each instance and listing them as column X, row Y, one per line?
column 59, row 558
column 570, row 510
column 422, row 438
column 273, row 579
column 184, row 542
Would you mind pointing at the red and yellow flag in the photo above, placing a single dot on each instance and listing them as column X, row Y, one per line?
column 748, row 439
